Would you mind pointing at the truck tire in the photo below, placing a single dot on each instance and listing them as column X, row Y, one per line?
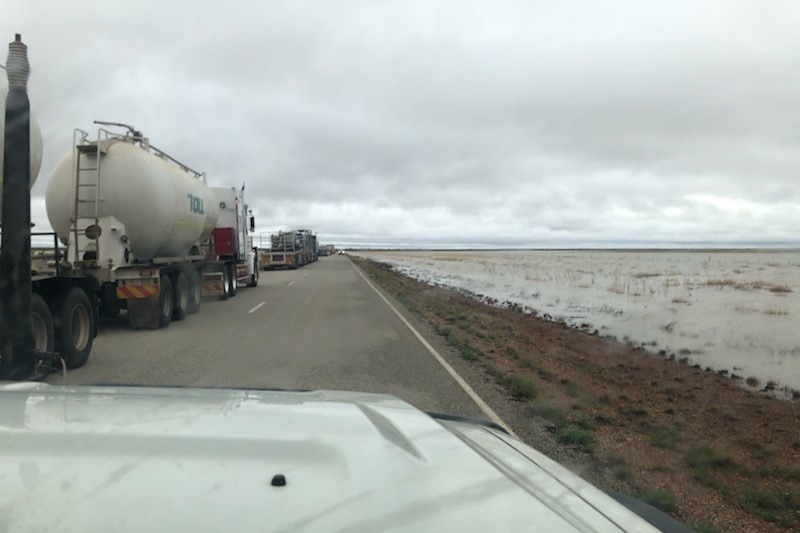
column 74, row 328
column 165, row 301
column 226, row 284
column 42, row 322
column 195, row 293
column 180, row 302
column 234, row 282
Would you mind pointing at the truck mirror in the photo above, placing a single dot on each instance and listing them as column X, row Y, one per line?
column 252, row 224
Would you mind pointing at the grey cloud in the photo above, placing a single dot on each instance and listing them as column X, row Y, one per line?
column 512, row 121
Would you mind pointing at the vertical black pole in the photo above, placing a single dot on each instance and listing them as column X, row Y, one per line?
column 17, row 355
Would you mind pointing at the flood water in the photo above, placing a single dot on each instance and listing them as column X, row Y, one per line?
column 729, row 310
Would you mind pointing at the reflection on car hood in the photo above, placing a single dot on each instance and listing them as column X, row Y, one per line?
column 161, row 459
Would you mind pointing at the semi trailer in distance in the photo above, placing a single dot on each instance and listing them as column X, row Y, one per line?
column 290, row 249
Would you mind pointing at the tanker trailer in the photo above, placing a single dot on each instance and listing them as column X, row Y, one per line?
column 63, row 309
column 138, row 222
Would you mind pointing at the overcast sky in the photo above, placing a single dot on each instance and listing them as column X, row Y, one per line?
column 447, row 122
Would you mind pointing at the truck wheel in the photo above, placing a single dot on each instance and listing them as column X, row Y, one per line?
column 180, row 303
column 165, row 302
column 74, row 328
column 226, row 284
column 42, row 322
column 195, row 293
column 234, row 282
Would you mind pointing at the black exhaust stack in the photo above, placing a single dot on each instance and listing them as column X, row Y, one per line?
column 17, row 352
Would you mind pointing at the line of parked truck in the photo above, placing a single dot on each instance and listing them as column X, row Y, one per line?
column 135, row 230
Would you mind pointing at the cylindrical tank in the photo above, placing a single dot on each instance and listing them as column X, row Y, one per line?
column 36, row 134
column 165, row 209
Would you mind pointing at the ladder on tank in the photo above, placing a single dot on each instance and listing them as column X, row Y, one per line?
column 86, row 165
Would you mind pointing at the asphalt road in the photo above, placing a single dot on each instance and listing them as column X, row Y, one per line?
column 318, row 327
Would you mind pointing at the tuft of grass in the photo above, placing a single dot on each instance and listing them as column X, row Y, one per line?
column 758, row 450
column 724, row 282
column 662, row 468
column 780, row 288
column 669, row 327
column 546, row 374
column 666, row 437
column 603, row 419
column 618, row 466
column 753, row 381
column 442, row 331
column 583, row 438
column 634, row 412
column 464, row 348
column 493, row 370
column 572, row 389
column 775, row 311
column 521, row 387
column 704, row 461
column 773, row 505
column 704, row 456
column 585, row 422
column 549, row 411
column 468, row 352
column 781, row 470
column 660, row 499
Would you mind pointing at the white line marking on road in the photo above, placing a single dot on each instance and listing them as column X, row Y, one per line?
column 253, row 310
column 289, row 284
column 488, row 411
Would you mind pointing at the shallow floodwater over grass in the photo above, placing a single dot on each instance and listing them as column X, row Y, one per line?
column 729, row 310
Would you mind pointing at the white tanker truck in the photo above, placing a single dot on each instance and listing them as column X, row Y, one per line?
column 148, row 231
column 143, row 233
